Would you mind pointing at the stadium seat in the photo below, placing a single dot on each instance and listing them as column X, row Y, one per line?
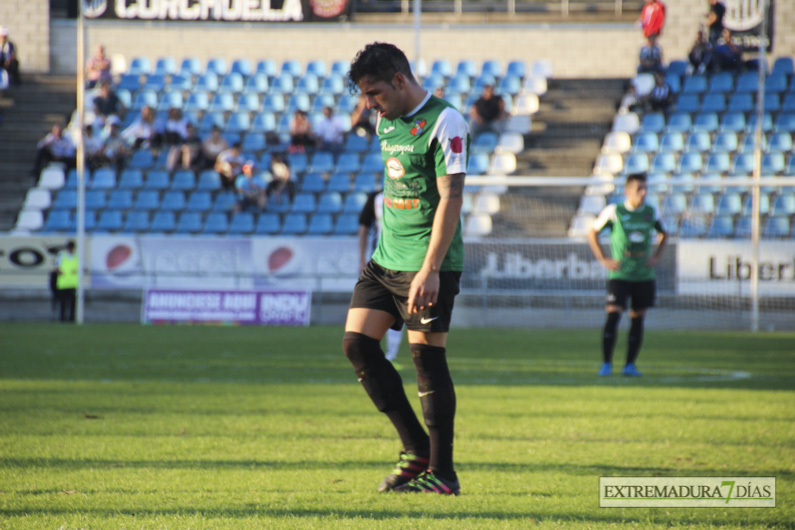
column 767, row 123
column 248, row 102
column 636, row 163
column 505, row 163
column 253, row 141
column 372, row 163
column 783, row 66
column 241, row 67
column 215, row 223
column 354, row 202
column 156, row 82
column 484, row 143
column 188, row 223
column 772, row 103
column 173, row 200
column 788, row 105
column 743, row 164
column 780, row 142
column 321, row 162
column 510, row 142
column 95, row 200
column 242, row 224
column 139, row 65
column 346, row 224
column 663, row 162
column 256, row 84
column 542, row 68
column 786, row 122
column 717, row 162
column 58, row 220
column 37, row 199
column 693, row 226
column 674, row 204
column 330, row 203
column 690, row 162
column 702, row 203
column 617, row 142
column 103, row 179
column 721, row 82
column 66, row 199
column 772, row 164
column 783, row 204
column 29, row 221
column 198, row 100
column 672, row 141
column 199, row 201
column 273, row 102
column 348, row 163
column 207, row 82
column 264, row 122
column 216, row 65
column 441, row 67
column 776, row 83
column 709, row 183
column 776, row 227
column 222, row 102
column 268, row 224
column 679, row 122
column 190, row 66
column 479, row 163
column 741, row 103
column 309, row 84
column 267, row 67
column 729, row 204
column 239, row 122
column 682, row 183
column 589, row 204
column 695, row 84
column 747, row 82
column 713, row 103
column 509, row 85
column 294, row 224
column 320, row 224
column 52, row 178
column 304, row 203
column 706, row 121
column 535, row 85
column 144, row 97
column 646, row 142
column 467, row 67
column 477, row 225
column 610, row 164
column 316, row 67
column 163, row 221
column 725, row 141
column 283, row 84
column 120, row 199
column 698, row 141
column 129, row 82
column 721, row 226
column 366, row 182
column 183, row 180
column 339, row 182
column 688, row 102
column 110, row 221
column 749, row 143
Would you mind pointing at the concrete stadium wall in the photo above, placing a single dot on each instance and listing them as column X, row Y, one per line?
column 28, row 23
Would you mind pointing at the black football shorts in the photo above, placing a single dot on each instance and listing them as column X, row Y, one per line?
column 642, row 293
column 388, row 290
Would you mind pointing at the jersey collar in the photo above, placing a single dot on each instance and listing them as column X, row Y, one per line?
column 631, row 209
column 418, row 107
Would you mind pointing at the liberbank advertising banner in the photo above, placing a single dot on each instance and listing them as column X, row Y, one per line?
column 220, row 10
column 718, row 268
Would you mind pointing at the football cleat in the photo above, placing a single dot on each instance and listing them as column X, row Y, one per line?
column 631, row 371
column 606, row 369
column 409, row 466
column 430, row 483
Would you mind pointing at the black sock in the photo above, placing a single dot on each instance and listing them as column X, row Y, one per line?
column 635, row 339
column 609, row 336
column 385, row 387
column 437, row 396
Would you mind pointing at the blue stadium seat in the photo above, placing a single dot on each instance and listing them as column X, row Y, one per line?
column 313, row 183
column 264, row 122
column 356, row 144
column 733, row 121
column 366, row 182
column 478, row 164
column 678, row 67
column 103, row 179
column 509, row 84
column 253, row 141
column 767, row 122
column 764, row 204
column 215, row 223
column 772, row 103
column 772, row 164
column 354, row 202
column 743, row 164
column 693, row 226
column 788, row 105
column 516, row 68
column 197, row 101
column 110, row 221
column 442, row 67
column 786, row 122
column 267, row 67
column 136, row 221
column 729, row 203
column 702, row 203
column 330, row 202
column 58, row 220
column 783, row 66
column 653, row 122
column 183, row 180
column 120, row 199
column 298, row 162
column 291, row 67
column 294, row 224
column 646, row 142
column 283, row 84
column 347, row 224
column 741, row 103
column 95, row 200
column 695, row 84
column 459, row 83
column 125, row 96
column 491, row 67
column 776, row 227
column 672, row 141
column 239, row 122
column 299, row 101
column 679, row 122
column 268, row 223
column 139, row 65
column 322, row 162
column 188, row 223
column 207, row 82
column 273, row 103
column 131, row 82
column 304, row 203
column 467, row 67
column 339, row 182
column 170, row 99
column 256, row 84
column 156, row 82
column 316, row 67
column 713, row 103
column 163, row 222
column 320, row 224
column 721, row 226
column 485, row 142
column 242, row 67
column 147, row 200
column 481, row 81
column 789, row 171
column 706, row 121
column 663, row 163
column 308, row 84
column 333, row 85
column 216, row 65
column 636, row 163
column 224, row 201
column 709, row 183
column 780, row 142
column 721, row 82
column 348, row 163
column 146, row 97
column 347, row 103
column 682, row 183
column 775, row 84
column 372, row 163
column 742, row 228
column 141, row 159
column 747, row 82
column 248, row 102
column 157, row 179
column 211, row 119
column 190, row 66
column 688, row 102
column 242, row 224
column 725, row 142
column 432, row 82
column 690, row 162
column 783, row 204
column 199, row 201
column 173, row 200
column 718, row 162
column 698, row 141
column 222, row 102
column 323, row 100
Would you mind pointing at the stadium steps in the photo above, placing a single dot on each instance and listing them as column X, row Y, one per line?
column 567, row 134
column 29, row 112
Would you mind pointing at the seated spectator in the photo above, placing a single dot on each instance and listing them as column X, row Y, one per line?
column 301, row 136
column 97, row 68
column 8, row 57
column 661, row 96
column 714, row 20
column 229, row 165
column 55, row 147
column 651, row 60
column 701, row 53
column 330, row 131
column 107, row 103
column 115, row 149
column 142, row 131
column 439, row 92
column 185, row 154
column 251, row 189
column 175, row 130
column 488, row 112
column 94, row 147
column 362, row 119
column 214, row 145
column 281, row 184
column 726, row 54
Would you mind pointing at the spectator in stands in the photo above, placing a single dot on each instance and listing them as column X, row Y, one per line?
column 187, row 153
column 213, row 146
column 301, row 136
column 652, row 18
column 281, row 183
column 115, row 149
column 8, row 57
column 714, row 20
column 488, row 112
column 251, row 189
column 439, row 92
column 330, row 131
column 55, row 147
column 229, row 164
column 175, row 130
column 94, row 147
column 107, row 103
column 362, row 119
column 661, row 96
column 142, row 131
column 701, row 53
column 726, row 54
column 651, row 59
column 97, row 67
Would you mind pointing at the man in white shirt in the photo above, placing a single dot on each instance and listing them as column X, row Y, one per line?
column 329, row 131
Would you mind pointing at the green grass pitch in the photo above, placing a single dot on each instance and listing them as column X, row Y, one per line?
column 127, row 426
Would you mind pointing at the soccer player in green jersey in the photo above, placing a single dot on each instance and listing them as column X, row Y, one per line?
column 632, row 227
column 414, row 274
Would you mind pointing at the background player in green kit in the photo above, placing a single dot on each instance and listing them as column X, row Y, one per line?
column 414, row 273
column 632, row 227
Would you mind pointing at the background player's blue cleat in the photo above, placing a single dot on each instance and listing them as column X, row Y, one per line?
column 631, row 371
column 606, row 369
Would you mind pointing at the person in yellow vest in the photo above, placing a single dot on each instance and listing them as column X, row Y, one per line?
column 66, row 264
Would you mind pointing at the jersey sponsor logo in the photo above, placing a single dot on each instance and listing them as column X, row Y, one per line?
column 419, row 127
column 389, row 129
column 456, row 145
column 637, row 237
column 394, row 168
column 396, row 148
column 401, row 204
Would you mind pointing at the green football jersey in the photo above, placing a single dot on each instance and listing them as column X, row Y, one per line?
column 631, row 235
column 432, row 141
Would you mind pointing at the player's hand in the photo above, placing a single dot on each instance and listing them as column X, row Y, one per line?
column 653, row 261
column 424, row 291
column 612, row 264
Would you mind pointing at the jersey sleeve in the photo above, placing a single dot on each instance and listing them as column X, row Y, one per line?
column 605, row 218
column 452, row 135
column 367, row 215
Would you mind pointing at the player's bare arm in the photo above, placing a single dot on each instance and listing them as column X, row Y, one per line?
column 596, row 248
column 654, row 260
column 424, row 288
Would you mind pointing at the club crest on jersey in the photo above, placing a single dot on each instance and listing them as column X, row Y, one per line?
column 394, row 169
column 419, row 127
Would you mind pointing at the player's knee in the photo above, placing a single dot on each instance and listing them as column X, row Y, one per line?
column 611, row 324
column 358, row 348
column 377, row 375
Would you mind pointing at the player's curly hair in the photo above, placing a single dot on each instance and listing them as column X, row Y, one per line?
column 379, row 61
